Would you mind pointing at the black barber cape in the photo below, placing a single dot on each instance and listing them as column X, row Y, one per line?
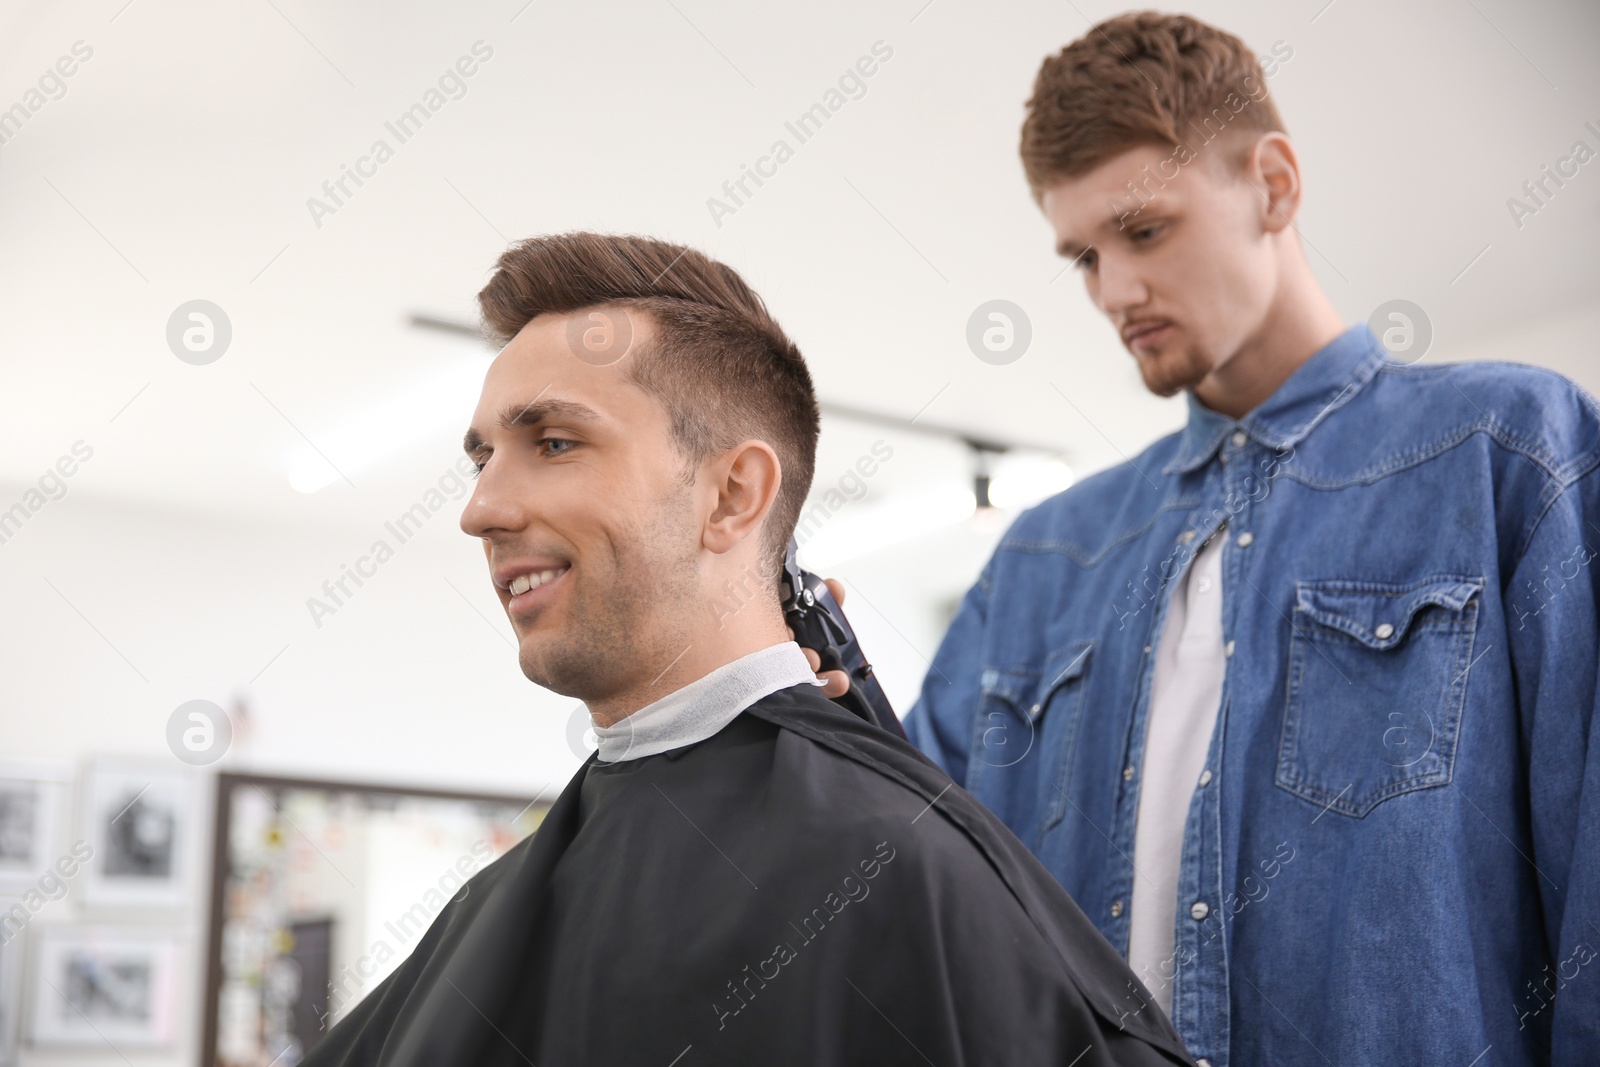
column 800, row 888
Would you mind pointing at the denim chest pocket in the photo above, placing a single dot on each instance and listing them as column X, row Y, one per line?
column 1378, row 677
column 1025, row 734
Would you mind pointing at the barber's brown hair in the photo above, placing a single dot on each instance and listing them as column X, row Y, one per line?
column 721, row 365
column 1143, row 78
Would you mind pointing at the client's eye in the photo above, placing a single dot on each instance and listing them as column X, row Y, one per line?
column 550, row 444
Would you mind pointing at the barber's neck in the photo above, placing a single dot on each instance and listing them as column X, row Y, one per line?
column 1299, row 322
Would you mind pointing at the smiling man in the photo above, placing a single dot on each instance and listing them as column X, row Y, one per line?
column 1298, row 702
column 743, row 872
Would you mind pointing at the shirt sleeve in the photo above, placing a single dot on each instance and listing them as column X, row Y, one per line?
column 942, row 720
column 1552, row 606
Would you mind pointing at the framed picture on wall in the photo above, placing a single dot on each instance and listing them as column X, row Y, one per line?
column 33, row 817
column 141, row 820
column 104, row 986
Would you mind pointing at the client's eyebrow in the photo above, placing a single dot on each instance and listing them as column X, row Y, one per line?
column 529, row 415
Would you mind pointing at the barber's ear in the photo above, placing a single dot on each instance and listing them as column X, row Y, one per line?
column 1274, row 169
column 746, row 479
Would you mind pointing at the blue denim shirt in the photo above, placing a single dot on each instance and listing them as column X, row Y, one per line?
column 1395, row 854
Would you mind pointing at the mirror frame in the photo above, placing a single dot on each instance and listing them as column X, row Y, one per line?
column 227, row 782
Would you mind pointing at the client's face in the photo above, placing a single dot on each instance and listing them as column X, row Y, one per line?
column 589, row 528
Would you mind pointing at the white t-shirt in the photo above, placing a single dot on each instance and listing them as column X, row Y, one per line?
column 1185, row 694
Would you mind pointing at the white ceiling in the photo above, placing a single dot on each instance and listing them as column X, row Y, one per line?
column 179, row 161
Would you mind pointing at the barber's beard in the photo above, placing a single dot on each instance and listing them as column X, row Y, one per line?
column 1174, row 369
column 625, row 627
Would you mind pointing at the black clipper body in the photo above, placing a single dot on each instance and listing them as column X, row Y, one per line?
column 819, row 624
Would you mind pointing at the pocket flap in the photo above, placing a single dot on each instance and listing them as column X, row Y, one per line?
column 1378, row 614
column 1028, row 688
column 1061, row 668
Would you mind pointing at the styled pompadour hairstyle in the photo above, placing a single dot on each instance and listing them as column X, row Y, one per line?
column 1143, row 78
column 721, row 365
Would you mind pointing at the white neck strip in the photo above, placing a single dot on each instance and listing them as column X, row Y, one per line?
column 707, row 704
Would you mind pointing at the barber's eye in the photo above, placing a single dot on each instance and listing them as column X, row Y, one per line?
column 1085, row 261
column 1145, row 233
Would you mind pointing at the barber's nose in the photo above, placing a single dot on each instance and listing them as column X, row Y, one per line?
column 1118, row 287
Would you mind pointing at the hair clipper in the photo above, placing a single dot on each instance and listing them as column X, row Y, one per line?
column 819, row 624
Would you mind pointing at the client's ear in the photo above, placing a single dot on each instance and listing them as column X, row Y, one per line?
column 746, row 479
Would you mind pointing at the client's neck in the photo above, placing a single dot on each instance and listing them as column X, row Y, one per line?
column 711, row 640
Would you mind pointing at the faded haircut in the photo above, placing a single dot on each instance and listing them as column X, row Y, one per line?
column 721, row 365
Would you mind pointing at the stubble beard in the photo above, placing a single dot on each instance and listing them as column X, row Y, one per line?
column 1170, row 372
column 625, row 628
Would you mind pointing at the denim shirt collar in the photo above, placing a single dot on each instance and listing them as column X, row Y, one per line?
column 1321, row 385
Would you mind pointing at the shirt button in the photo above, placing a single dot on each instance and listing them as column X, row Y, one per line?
column 1147, row 650
column 1239, row 438
column 1228, row 650
column 1244, row 539
column 1035, row 709
column 1116, row 909
column 1186, row 536
column 1202, row 1063
column 1205, row 777
column 1383, row 631
column 1127, row 774
column 1199, row 909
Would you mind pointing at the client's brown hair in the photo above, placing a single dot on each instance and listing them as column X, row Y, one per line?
column 721, row 365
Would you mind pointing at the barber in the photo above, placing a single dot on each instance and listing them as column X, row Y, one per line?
column 1299, row 702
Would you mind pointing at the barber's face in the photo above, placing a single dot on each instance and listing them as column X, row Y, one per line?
column 1187, row 279
column 589, row 529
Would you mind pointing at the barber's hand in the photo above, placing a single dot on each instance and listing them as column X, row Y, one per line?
column 837, row 683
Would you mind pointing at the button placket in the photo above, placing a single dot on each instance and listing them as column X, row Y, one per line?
column 1200, row 1005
